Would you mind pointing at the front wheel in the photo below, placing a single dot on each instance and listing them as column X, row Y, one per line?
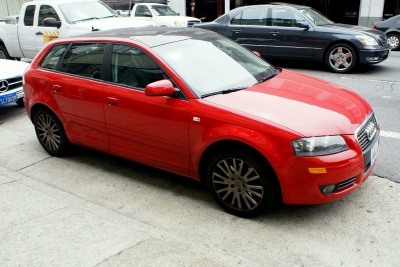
column 241, row 183
column 393, row 40
column 341, row 58
column 50, row 133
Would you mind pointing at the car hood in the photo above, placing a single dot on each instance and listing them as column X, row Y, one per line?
column 306, row 105
column 10, row 68
column 353, row 28
column 114, row 23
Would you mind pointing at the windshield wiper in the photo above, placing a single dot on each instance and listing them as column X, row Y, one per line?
column 109, row 16
column 226, row 91
column 92, row 18
column 266, row 78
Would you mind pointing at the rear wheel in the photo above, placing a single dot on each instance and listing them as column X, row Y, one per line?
column 241, row 183
column 393, row 40
column 341, row 58
column 50, row 133
column 4, row 53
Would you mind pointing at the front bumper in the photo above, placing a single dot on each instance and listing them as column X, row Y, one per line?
column 347, row 170
column 374, row 56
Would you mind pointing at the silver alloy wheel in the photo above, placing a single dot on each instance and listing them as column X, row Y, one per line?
column 393, row 41
column 238, row 184
column 340, row 58
column 48, row 132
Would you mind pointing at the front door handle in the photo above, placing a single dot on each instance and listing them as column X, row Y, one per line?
column 112, row 101
column 57, row 88
column 39, row 33
column 237, row 31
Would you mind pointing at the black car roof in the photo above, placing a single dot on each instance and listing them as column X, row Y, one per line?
column 155, row 36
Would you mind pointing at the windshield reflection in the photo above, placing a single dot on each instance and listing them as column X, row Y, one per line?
column 81, row 11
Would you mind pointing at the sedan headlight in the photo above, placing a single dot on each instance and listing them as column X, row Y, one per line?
column 180, row 23
column 319, row 146
column 366, row 40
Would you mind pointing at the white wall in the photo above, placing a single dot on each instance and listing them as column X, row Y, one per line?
column 370, row 11
column 10, row 7
column 179, row 6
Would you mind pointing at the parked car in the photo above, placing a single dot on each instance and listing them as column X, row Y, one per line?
column 197, row 104
column 284, row 31
column 392, row 29
column 11, row 81
column 41, row 21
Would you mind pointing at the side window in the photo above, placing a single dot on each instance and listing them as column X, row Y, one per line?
column 84, row 60
column 255, row 16
column 29, row 14
column 45, row 12
column 132, row 67
column 51, row 60
column 237, row 19
column 285, row 17
column 140, row 10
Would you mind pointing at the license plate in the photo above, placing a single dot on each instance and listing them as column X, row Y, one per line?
column 9, row 98
column 374, row 151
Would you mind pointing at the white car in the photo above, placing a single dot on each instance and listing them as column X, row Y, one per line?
column 11, row 81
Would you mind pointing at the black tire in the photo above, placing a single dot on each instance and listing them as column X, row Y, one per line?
column 20, row 102
column 3, row 53
column 341, row 58
column 230, row 188
column 394, row 41
column 50, row 133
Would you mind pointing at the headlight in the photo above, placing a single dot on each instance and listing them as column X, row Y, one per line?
column 318, row 146
column 366, row 40
column 180, row 23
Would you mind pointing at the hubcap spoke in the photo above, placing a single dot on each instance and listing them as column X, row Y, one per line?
column 48, row 132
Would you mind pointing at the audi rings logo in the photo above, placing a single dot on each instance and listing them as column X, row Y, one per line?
column 370, row 131
column 3, row 86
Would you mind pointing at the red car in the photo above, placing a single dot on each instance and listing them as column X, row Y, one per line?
column 195, row 103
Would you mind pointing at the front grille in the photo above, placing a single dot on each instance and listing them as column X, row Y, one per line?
column 13, row 83
column 346, row 183
column 192, row 22
column 362, row 137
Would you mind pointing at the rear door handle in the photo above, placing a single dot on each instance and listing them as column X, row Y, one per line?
column 57, row 88
column 274, row 33
column 112, row 101
column 237, row 31
column 39, row 33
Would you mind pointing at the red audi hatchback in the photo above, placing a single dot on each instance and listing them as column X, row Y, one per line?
column 197, row 104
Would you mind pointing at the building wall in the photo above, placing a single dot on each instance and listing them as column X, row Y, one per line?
column 370, row 11
column 10, row 7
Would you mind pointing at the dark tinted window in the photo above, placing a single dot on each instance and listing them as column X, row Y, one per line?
column 52, row 58
column 255, row 16
column 132, row 67
column 140, row 10
column 237, row 19
column 45, row 12
column 285, row 17
column 29, row 13
column 84, row 60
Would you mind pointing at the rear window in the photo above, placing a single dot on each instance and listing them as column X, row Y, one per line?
column 53, row 57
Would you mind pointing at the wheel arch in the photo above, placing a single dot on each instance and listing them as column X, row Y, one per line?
column 35, row 108
column 393, row 32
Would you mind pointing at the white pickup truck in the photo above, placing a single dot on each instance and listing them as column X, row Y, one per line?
column 161, row 15
column 42, row 21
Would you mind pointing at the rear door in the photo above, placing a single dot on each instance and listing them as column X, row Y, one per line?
column 249, row 28
column 286, row 38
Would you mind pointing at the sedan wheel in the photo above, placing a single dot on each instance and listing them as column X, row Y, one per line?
column 393, row 40
column 50, row 133
column 341, row 58
column 240, row 184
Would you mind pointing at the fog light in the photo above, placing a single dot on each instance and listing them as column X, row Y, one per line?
column 372, row 58
column 328, row 189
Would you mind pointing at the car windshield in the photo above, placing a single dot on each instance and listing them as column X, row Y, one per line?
column 214, row 64
column 162, row 10
column 317, row 18
column 75, row 12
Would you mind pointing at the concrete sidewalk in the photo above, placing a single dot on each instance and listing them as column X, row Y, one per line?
column 43, row 226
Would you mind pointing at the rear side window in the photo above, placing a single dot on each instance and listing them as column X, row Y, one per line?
column 255, row 16
column 237, row 19
column 84, row 60
column 29, row 14
column 53, row 57
column 133, row 67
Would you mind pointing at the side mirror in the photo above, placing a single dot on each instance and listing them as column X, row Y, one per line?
column 148, row 14
column 51, row 22
column 258, row 54
column 160, row 88
column 303, row 25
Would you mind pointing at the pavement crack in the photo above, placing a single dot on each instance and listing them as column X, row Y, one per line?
column 33, row 164
column 383, row 177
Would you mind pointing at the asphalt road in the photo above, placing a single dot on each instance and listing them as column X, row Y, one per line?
column 93, row 209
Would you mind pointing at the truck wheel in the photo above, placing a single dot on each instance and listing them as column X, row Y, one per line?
column 4, row 53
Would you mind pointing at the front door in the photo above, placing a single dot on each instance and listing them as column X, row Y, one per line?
column 152, row 130
column 44, row 34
